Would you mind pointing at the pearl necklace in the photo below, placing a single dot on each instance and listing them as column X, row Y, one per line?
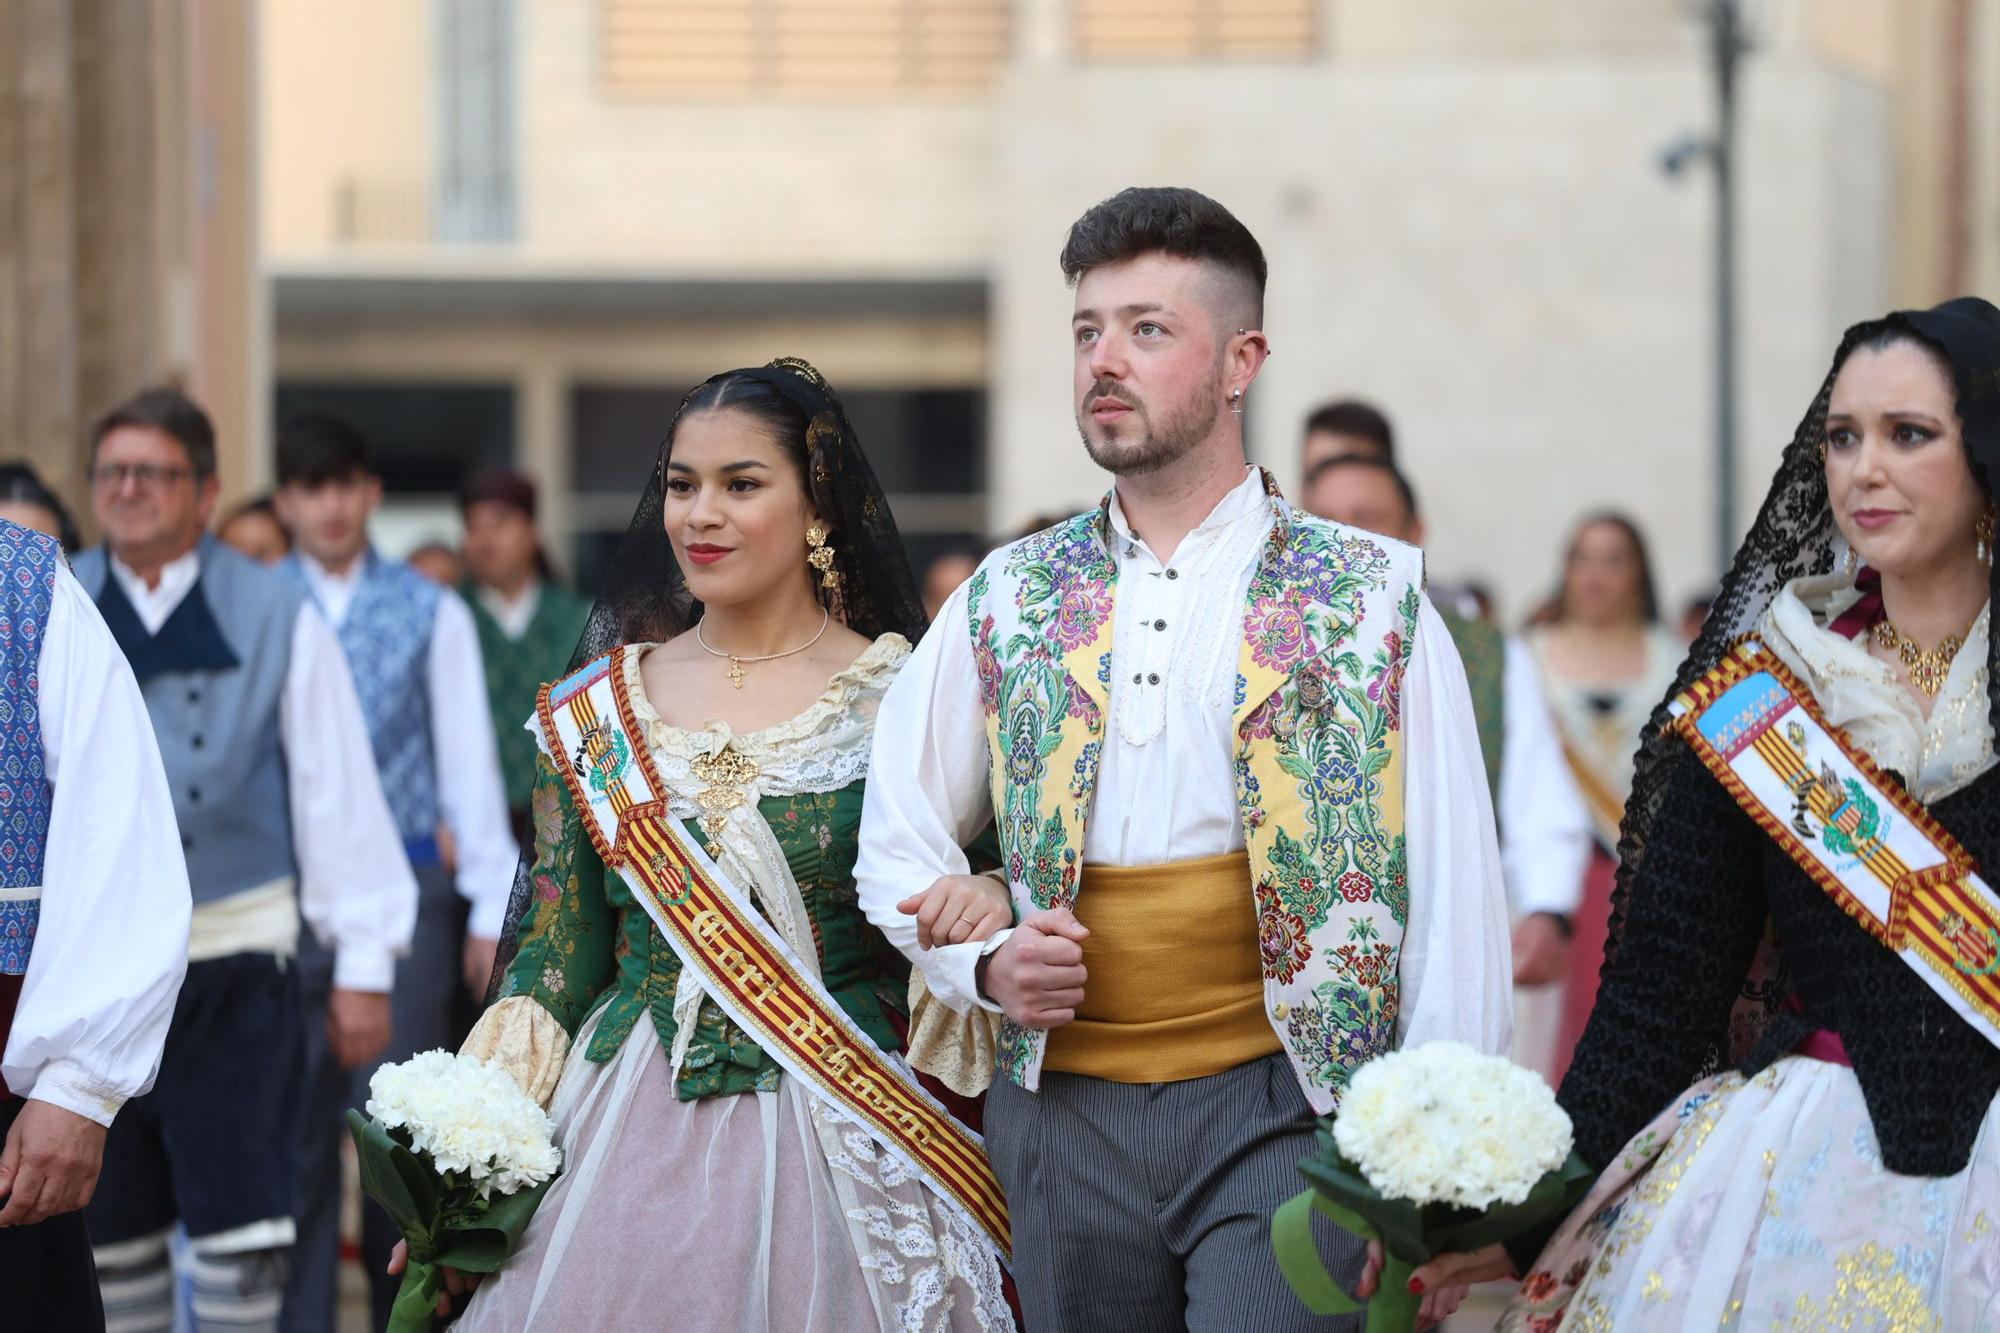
column 736, row 660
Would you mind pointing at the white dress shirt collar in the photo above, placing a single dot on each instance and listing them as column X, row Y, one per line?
column 512, row 614
column 335, row 593
column 154, row 605
column 1174, row 645
column 1246, row 500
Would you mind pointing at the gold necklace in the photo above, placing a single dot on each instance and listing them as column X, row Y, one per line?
column 1927, row 669
column 736, row 660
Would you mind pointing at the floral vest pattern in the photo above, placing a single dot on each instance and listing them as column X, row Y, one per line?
column 1328, row 628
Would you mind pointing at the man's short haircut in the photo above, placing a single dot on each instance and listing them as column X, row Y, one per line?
column 1330, row 465
column 1170, row 220
column 169, row 411
column 315, row 448
column 1351, row 416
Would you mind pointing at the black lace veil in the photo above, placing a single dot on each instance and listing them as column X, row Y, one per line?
column 645, row 597
column 1794, row 536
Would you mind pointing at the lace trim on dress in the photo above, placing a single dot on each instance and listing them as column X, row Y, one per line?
column 823, row 748
column 955, row 1048
column 1936, row 756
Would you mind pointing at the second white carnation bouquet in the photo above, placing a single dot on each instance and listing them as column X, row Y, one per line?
column 459, row 1156
column 1434, row 1148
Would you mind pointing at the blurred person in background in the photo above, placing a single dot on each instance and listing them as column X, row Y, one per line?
column 254, row 529
column 1694, row 615
column 528, row 622
column 27, row 500
column 1221, row 916
column 945, row 572
column 1342, row 427
column 1545, row 831
column 1605, row 661
column 93, row 924
column 415, row 657
column 281, row 816
column 439, row 563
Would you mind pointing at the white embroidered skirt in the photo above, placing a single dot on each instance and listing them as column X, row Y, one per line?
column 1763, row 1204
column 728, row 1213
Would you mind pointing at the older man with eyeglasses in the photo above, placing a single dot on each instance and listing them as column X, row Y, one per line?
column 281, row 815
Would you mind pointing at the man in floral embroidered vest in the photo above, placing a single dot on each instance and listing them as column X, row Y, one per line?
column 1232, row 761
column 415, row 657
column 93, row 923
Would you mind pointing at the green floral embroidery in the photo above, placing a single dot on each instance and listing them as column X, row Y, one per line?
column 1344, row 1027
column 1393, row 889
column 586, row 942
column 1300, row 889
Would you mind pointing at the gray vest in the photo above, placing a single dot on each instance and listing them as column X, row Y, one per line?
column 218, row 729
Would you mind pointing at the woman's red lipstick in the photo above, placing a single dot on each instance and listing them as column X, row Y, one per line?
column 701, row 553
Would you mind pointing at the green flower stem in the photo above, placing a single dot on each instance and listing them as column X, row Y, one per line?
column 1394, row 1307
column 415, row 1307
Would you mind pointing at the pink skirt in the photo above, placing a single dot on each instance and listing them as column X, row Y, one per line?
column 729, row 1215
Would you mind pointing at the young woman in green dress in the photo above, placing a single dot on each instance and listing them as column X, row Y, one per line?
column 704, row 1186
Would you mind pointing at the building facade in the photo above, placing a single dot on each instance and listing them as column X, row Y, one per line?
column 518, row 230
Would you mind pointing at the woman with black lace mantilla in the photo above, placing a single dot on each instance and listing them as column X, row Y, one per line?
column 693, row 991
column 1806, row 901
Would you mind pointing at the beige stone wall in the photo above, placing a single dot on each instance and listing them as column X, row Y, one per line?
column 1461, row 200
column 128, row 251
column 1400, row 29
column 348, row 124
column 896, row 186
column 1489, row 250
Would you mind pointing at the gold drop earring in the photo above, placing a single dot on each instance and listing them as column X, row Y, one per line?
column 820, row 556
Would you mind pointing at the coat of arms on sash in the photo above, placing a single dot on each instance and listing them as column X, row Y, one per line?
column 1852, row 828
column 1853, row 823
column 602, row 752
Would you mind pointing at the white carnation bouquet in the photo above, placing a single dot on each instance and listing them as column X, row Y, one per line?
column 1434, row 1148
column 459, row 1156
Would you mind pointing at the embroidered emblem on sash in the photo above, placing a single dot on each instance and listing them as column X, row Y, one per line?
column 1861, row 837
column 1975, row 949
column 603, row 753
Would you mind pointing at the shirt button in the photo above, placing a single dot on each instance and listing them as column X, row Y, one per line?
column 195, row 741
column 194, row 794
column 1173, row 574
column 187, row 843
column 1159, row 624
column 1153, row 679
column 1137, row 678
column 194, row 696
column 1281, row 1011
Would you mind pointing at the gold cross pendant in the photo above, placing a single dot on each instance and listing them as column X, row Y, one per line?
column 736, row 673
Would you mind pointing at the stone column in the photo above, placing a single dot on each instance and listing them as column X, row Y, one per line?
column 127, row 223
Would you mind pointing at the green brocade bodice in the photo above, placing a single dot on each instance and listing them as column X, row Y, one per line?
column 586, row 942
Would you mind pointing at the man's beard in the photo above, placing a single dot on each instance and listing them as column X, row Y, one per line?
column 1152, row 449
